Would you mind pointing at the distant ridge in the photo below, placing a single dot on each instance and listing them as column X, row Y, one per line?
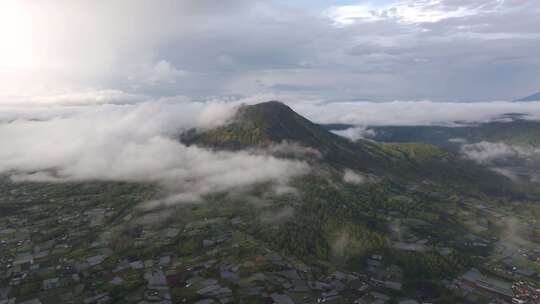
column 533, row 97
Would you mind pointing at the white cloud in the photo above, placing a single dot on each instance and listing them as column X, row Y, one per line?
column 157, row 73
column 486, row 152
column 409, row 12
column 349, row 14
column 355, row 133
column 357, row 113
column 412, row 112
column 216, row 113
column 493, row 152
column 82, row 97
column 516, row 162
column 352, row 177
column 465, row 50
column 133, row 143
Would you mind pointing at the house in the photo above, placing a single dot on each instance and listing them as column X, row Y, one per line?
column 373, row 298
column 149, row 263
column 95, row 260
column 393, row 285
column 33, row 301
column 156, row 280
column 281, row 298
column 136, row 265
column 4, row 293
column 98, row 299
column 165, row 260
column 377, row 257
column 50, row 284
column 24, row 258
column 408, row 301
column 486, row 285
column 122, row 265
column 205, row 301
column 329, row 296
column 116, row 281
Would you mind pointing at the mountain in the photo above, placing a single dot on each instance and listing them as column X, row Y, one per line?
column 533, row 97
column 273, row 122
column 263, row 124
column 269, row 123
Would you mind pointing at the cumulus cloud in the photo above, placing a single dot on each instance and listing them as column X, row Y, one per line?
column 492, row 152
column 216, row 113
column 443, row 50
column 517, row 162
column 409, row 12
column 155, row 74
column 351, row 177
column 355, row 133
column 134, row 143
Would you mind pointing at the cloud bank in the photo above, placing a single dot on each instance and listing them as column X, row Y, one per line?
column 77, row 140
column 355, row 133
column 135, row 143
column 357, row 113
column 410, row 113
column 517, row 162
column 493, row 152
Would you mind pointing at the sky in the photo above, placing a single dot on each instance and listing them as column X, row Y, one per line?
column 82, row 51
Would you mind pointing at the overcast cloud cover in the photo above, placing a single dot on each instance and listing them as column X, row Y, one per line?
column 336, row 50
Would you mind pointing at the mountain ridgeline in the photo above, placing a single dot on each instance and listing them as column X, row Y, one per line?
column 533, row 97
column 268, row 123
column 265, row 124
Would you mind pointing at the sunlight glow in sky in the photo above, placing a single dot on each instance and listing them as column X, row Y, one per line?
column 335, row 50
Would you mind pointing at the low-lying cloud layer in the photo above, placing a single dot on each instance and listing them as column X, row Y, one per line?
column 355, row 133
column 517, row 162
column 400, row 113
column 135, row 143
column 357, row 113
column 490, row 153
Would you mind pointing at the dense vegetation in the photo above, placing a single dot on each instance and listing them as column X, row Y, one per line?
column 345, row 223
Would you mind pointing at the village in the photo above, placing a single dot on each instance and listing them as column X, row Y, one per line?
column 81, row 252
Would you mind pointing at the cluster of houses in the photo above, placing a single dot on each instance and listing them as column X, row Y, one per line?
column 476, row 285
column 53, row 254
column 71, row 269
